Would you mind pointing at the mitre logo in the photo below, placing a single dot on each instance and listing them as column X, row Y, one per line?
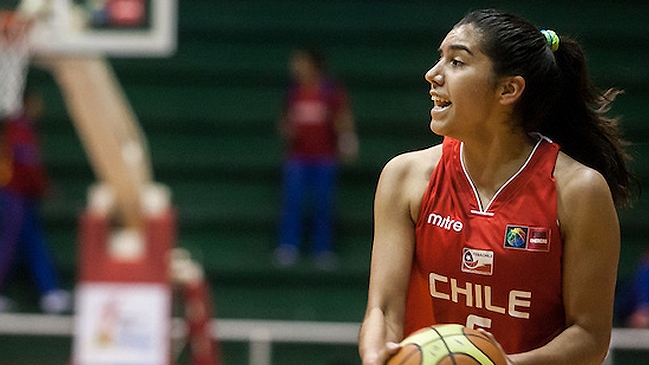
column 446, row 223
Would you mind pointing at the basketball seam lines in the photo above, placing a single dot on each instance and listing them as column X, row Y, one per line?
column 448, row 349
column 478, row 348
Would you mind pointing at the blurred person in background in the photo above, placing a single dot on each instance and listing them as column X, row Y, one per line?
column 317, row 125
column 23, row 183
column 632, row 301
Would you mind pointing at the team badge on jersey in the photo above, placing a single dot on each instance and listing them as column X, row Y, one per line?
column 527, row 238
column 477, row 261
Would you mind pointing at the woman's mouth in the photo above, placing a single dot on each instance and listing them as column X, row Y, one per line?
column 440, row 103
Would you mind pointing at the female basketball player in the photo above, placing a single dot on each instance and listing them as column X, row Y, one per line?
column 510, row 224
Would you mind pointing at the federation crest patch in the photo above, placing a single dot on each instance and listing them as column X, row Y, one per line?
column 516, row 237
column 527, row 238
column 477, row 261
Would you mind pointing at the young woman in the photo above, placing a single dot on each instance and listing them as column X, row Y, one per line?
column 510, row 224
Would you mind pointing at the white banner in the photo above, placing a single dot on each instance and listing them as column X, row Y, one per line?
column 122, row 324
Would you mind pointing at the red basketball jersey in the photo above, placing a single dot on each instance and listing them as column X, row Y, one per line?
column 496, row 267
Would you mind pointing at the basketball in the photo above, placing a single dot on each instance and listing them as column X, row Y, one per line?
column 447, row 344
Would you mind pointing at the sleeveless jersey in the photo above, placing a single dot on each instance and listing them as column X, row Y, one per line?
column 496, row 267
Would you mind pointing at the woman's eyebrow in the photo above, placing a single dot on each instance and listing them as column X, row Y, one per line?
column 457, row 47
column 461, row 47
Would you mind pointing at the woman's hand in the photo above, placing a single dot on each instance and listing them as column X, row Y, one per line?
column 382, row 355
column 495, row 342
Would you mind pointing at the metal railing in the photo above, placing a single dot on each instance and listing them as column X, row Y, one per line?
column 262, row 334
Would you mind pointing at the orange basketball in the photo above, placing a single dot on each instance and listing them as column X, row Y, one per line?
column 447, row 344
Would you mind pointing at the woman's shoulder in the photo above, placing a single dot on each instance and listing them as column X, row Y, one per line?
column 587, row 215
column 411, row 171
column 405, row 177
column 581, row 190
column 573, row 177
column 414, row 163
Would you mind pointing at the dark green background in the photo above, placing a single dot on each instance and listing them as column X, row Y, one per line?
column 209, row 115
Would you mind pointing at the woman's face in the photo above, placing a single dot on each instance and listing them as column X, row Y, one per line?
column 463, row 90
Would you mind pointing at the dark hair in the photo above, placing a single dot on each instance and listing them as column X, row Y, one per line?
column 316, row 56
column 559, row 100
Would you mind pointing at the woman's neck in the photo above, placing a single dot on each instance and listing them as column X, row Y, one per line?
column 490, row 163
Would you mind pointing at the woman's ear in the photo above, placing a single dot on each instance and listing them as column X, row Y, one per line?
column 511, row 89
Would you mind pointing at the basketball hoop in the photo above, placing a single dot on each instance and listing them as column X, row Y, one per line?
column 14, row 60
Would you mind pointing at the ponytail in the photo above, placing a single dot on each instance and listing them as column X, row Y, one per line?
column 579, row 124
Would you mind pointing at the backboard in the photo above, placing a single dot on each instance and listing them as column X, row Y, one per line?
column 117, row 28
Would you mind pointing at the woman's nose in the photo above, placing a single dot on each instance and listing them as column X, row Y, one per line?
column 434, row 76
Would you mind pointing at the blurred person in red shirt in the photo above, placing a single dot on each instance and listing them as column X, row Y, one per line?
column 318, row 127
column 23, row 183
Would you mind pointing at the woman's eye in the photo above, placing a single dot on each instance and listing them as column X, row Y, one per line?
column 456, row 62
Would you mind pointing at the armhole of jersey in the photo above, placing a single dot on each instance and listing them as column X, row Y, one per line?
column 446, row 147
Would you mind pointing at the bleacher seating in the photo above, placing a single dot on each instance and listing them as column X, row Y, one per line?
column 209, row 115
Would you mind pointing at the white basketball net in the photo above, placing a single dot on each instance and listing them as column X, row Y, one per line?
column 14, row 62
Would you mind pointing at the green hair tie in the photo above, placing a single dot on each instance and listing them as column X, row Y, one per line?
column 551, row 38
